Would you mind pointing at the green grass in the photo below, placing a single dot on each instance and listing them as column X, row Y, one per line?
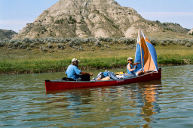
column 36, row 61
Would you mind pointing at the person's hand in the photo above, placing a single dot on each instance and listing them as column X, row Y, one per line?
column 90, row 74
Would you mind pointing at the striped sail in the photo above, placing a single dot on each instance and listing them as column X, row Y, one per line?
column 145, row 54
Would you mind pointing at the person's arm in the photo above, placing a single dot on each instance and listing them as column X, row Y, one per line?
column 79, row 72
column 136, row 63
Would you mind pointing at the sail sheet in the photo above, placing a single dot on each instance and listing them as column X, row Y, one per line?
column 145, row 54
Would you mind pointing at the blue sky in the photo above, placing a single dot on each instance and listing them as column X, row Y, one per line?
column 14, row 14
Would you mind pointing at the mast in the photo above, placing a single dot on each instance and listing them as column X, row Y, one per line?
column 139, row 37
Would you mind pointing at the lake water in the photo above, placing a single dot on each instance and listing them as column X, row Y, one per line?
column 165, row 103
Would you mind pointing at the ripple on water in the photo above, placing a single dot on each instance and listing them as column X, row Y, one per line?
column 151, row 104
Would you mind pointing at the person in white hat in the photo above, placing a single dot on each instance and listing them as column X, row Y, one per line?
column 131, row 66
column 74, row 73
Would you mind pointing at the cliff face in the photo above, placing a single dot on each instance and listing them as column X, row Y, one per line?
column 87, row 18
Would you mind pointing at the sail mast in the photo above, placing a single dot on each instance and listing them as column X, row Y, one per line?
column 139, row 39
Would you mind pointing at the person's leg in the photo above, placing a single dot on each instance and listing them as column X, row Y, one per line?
column 112, row 76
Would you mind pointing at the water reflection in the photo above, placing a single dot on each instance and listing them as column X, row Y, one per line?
column 109, row 105
column 150, row 107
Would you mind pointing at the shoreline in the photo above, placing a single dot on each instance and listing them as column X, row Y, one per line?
column 28, row 72
column 22, row 61
column 88, row 67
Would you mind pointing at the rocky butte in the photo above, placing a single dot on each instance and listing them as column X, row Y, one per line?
column 90, row 18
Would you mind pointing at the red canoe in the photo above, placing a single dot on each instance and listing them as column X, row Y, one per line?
column 54, row 85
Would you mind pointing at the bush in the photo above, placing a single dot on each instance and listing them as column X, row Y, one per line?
column 60, row 46
column 50, row 45
column 2, row 43
column 50, row 42
column 188, row 44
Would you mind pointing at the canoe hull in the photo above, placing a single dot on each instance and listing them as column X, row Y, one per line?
column 65, row 85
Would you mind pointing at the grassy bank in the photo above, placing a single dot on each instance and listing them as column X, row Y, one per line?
column 36, row 61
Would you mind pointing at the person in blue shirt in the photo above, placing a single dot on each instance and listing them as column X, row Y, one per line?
column 131, row 67
column 74, row 73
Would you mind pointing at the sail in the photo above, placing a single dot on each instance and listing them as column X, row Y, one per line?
column 145, row 54
column 139, row 54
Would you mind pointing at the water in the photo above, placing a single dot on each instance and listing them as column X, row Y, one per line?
column 165, row 103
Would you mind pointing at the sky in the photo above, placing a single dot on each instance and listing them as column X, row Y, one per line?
column 15, row 14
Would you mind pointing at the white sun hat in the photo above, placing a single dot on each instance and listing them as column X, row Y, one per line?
column 74, row 60
column 130, row 58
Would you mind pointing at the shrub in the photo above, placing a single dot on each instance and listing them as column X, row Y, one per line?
column 49, row 45
column 60, row 46
column 188, row 44
column 2, row 43
column 50, row 42
column 44, row 49
column 60, row 21
column 27, row 40
column 71, row 20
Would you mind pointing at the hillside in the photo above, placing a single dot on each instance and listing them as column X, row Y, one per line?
column 92, row 18
column 6, row 34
